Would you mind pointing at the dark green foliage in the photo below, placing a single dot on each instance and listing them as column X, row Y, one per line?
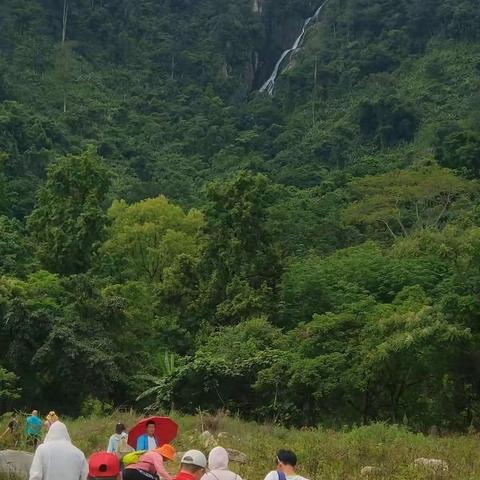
column 68, row 218
column 15, row 252
column 460, row 149
column 240, row 265
column 386, row 122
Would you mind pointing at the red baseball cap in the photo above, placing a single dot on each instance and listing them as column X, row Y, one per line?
column 103, row 464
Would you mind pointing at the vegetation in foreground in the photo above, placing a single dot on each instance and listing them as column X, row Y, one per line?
column 324, row 454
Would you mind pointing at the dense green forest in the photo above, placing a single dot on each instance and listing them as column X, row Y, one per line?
column 169, row 236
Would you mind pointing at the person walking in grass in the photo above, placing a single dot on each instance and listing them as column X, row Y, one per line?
column 218, row 466
column 286, row 461
column 57, row 458
column 116, row 443
column 13, row 428
column 33, row 429
column 193, row 466
column 150, row 465
column 103, row 466
column 52, row 417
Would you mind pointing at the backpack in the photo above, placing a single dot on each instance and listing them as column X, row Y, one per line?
column 132, row 457
column 123, row 448
column 281, row 475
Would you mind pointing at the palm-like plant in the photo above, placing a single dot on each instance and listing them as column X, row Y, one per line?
column 167, row 368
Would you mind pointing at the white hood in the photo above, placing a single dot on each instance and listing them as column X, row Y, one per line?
column 218, row 459
column 57, row 433
column 57, row 458
column 218, row 466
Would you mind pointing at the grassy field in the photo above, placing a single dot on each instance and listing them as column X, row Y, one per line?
column 323, row 454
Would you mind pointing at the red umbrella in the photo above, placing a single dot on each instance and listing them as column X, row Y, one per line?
column 165, row 430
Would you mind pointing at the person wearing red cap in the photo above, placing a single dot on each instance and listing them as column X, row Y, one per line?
column 150, row 465
column 104, row 466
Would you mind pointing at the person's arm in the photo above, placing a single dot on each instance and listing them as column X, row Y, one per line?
column 36, row 470
column 140, row 443
column 160, row 468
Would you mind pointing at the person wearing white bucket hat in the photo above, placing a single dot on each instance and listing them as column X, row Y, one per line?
column 192, row 466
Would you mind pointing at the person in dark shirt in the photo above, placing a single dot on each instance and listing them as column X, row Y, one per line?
column 13, row 429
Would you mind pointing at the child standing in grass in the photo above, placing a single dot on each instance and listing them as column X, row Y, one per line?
column 116, row 441
column 286, row 461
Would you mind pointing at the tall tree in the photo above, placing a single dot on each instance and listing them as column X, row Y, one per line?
column 407, row 200
column 240, row 264
column 69, row 216
column 145, row 238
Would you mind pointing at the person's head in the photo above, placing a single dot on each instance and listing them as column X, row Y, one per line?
column 52, row 417
column 150, row 428
column 103, row 466
column 14, row 416
column 166, row 451
column 286, row 459
column 119, row 428
column 218, row 459
column 194, row 462
column 35, row 413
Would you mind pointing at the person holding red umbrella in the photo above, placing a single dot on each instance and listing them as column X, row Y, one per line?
column 147, row 441
column 152, row 432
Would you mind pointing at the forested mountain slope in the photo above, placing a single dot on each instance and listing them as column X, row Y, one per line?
column 310, row 256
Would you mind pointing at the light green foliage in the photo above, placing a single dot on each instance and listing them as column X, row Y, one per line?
column 8, row 386
column 407, row 200
column 145, row 238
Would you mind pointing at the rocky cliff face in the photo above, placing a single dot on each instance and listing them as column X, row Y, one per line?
column 282, row 24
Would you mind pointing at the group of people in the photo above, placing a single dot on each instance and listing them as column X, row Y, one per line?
column 58, row 459
column 33, row 428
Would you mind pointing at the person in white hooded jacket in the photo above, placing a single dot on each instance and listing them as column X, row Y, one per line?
column 218, row 466
column 57, row 459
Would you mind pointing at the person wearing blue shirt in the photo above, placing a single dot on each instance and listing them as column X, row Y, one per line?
column 147, row 441
column 34, row 429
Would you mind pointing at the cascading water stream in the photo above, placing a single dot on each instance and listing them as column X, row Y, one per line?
column 269, row 85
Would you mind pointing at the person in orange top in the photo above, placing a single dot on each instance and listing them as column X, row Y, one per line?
column 151, row 464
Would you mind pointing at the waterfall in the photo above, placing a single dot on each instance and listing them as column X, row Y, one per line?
column 269, row 85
